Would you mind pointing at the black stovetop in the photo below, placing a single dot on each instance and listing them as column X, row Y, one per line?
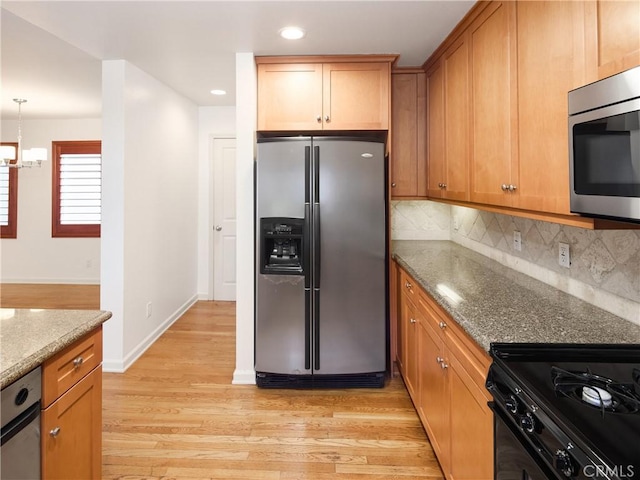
column 555, row 375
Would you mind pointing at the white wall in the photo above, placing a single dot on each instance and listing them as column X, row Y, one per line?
column 35, row 257
column 214, row 122
column 150, row 205
column 246, row 112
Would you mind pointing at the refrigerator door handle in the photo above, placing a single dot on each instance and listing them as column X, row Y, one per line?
column 316, row 329
column 316, row 217
column 316, row 179
column 307, row 175
column 307, row 328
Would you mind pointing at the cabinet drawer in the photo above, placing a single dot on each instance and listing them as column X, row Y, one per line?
column 66, row 368
column 408, row 285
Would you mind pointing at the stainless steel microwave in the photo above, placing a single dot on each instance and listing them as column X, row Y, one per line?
column 604, row 147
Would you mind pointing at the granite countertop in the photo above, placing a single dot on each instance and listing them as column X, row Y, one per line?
column 494, row 303
column 29, row 337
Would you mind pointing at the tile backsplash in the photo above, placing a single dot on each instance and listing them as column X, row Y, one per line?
column 605, row 264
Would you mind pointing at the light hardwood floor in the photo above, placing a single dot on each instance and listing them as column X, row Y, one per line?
column 175, row 415
column 31, row 295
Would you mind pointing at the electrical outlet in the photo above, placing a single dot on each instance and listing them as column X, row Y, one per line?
column 148, row 309
column 517, row 241
column 564, row 256
column 456, row 223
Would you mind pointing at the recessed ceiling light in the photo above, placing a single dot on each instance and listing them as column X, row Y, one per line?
column 292, row 33
column 218, row 92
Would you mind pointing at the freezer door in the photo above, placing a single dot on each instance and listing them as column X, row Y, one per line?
column 282, row 325
column 350, row 329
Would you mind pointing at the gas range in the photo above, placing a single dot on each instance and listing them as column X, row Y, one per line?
column 573, row 410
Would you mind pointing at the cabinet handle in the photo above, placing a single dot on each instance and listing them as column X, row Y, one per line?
column 412, row 320
column 54, row 433
column 327, row 119
column 77, row 362
column 393, row 185
column 319, row 118
column 442, row 325
column 512, row 188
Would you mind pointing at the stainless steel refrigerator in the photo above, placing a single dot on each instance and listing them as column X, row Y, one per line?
column 320, row 262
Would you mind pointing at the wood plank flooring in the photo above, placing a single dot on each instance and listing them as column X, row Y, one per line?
column 175, row 415
column 32, row 295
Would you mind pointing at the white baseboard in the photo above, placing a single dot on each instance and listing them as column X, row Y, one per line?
column 204, row 296
column 244, row 377
column 121, row 366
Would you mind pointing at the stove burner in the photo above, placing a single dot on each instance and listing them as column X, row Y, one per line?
column 595, row 391
column 596, row 396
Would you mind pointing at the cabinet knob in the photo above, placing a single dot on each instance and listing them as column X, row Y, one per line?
column 504, row 187
column 393, row 185
column 439, row 359
column 443, row 364
column 54, row 433
column 326, row 118
column 412, row 320
column 442, row 325
column 512, row 188
column 444, row 185
column 319, row 119
column 77, row 362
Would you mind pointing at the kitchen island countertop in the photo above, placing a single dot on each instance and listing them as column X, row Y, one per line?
column 29, row 337
column 494, row 303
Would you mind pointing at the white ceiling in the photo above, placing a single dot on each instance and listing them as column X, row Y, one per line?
column 52, row 50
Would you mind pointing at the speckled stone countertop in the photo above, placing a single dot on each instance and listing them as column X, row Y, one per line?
column 498, row 304
column 29, row 337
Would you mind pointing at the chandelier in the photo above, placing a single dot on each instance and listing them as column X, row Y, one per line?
column 16, row 157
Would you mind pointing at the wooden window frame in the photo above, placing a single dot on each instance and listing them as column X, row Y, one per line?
column 59, row 148
column 11, row 230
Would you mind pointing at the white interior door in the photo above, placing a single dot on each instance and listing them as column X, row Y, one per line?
column 224, row 219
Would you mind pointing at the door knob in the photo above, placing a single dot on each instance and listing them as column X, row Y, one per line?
column 218, row 228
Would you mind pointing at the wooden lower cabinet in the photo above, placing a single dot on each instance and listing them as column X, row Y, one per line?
column 71, row 422
column 72, row 430
column 444, row 371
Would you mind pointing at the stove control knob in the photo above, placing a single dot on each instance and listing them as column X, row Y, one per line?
column 512, row 404
column 528, row 423
column 564, row 463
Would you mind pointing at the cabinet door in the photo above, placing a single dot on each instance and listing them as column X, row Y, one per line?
column 435, row 131
column 457, row 110
column 433, row 406
column 471, row 426
column 408, row 346
column 290, row 96
column 408, row 156
column 550, row 63
column 494, row 104
column 356, row 96
column 613, row 36
column 72, row 432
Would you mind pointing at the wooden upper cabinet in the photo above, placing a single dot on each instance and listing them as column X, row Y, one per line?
column 550, row 63
column 612, row 37
column 408, row 140
column 322, row 96
column 435, row 131
column 494, row 105
column 456, row 120
column 356, row 96
column 289, row 96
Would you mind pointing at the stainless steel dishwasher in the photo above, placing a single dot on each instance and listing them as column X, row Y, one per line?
column 20, row 433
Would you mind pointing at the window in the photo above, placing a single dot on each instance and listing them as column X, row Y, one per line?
column 9, row 199
column 77, row 189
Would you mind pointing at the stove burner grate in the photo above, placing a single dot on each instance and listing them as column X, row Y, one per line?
column 595, row 391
